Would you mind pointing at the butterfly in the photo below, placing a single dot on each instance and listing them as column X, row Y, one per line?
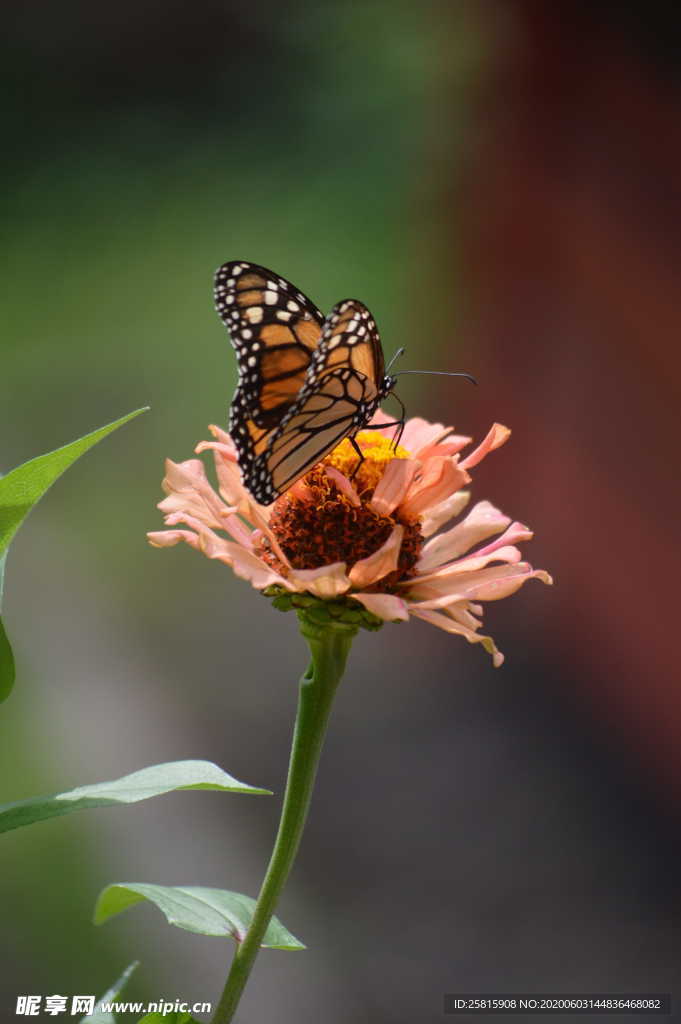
column 306, row 381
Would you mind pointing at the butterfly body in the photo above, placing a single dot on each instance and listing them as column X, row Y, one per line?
column 306, row 381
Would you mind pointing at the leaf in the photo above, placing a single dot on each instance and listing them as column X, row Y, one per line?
column 20, row 489
column 99, row 1016
column 176, row 1017
column 141, row 785
column 196, row 909
column 25, row 485
column 7, row 671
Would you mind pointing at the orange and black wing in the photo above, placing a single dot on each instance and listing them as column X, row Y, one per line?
column 274, row 329
column 349, row 338
column 340, row 394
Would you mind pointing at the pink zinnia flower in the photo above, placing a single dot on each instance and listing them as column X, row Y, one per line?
column 374, row 537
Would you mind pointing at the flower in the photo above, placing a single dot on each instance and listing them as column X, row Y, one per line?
column 363, row 540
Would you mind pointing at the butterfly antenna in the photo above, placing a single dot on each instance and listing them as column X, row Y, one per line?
column 441, row 373
column 400, row 352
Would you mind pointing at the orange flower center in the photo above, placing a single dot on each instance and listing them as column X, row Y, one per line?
column 316, row 524
column 378, row 451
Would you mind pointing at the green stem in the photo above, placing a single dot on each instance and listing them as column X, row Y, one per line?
column 329, row 647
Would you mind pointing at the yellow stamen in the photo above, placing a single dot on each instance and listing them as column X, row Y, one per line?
column 378, row 451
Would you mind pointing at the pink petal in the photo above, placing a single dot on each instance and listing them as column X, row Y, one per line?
column 439, row 478
column 442, row 582
column 482, row 521
column 229, row 476
column 451, row 445
column 393, row 486
column 515, row 534
column 223, row 437
column 243, row 562
column 249, row 567
column 254, row 512
column 471, row 563
column 327, row 582
column 236, row 529
column 168, row 538
column 449, row 626
column 343, row 484
column 419, row 434
column 300, row 491
column 380, row 563
column 498, row 435
column 462, row 612
column 378, row 419
column 188, row 488
column 438, row 515
column 498, row 588
column 385, row 606
column 449, row 585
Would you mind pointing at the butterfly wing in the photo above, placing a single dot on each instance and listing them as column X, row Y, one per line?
column 350, row 338
column 274, row 329
column 341, row 392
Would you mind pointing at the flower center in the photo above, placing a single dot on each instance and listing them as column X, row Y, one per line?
column 378, row 451
column 316, row 524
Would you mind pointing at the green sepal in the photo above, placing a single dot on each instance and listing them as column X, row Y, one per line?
column 319, row 613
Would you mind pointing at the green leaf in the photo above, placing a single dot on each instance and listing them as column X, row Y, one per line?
column 177, row 1017
column 7, row 671
column 196, row 909
column 148, row 782
column 19, row 492
column 100, row 1016
column 25, row 485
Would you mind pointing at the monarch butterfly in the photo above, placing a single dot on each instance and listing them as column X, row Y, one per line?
column 305, row 381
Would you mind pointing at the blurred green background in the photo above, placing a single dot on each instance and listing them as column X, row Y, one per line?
column 472, row 829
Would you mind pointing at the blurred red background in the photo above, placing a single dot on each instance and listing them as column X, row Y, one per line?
column 572, row 256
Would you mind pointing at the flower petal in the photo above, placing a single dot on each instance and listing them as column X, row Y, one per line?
column 419, row 433
column 440, row 476
column 482, row 521
column 498, row 435
column 393, row 486
column 378, row 421
column 241, row 560
column 169, row 538
column 223, row 437
column 374, row 567
column 188, row 489
column 450, row 584
column 438, row 515
column 449, row 626
column 247, row 566
column 343, row 484
column 327, row 582
column 515, row 534
column 227, row 469
column 385, row 606
column 451, row 445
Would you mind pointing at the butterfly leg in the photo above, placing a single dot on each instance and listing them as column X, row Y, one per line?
column 360, row 453
column 401, row 422
column 396, row 423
